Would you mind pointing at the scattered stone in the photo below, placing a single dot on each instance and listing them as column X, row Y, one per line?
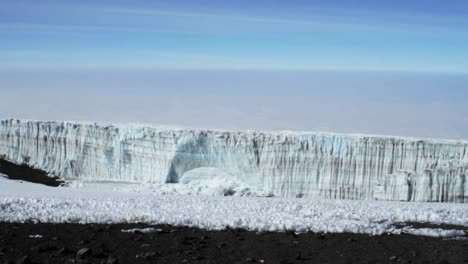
column 63, row 251
column 299, row 256
column 222, row 247
column 293, row 234
column 147, row 256
column 83, row 253
column 82, row 242
column 23, row 260
column 111, row 260
column 145, row 245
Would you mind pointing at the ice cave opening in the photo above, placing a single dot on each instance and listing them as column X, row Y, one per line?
column 207, row 174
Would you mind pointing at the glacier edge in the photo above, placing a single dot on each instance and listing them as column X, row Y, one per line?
column 289, row 164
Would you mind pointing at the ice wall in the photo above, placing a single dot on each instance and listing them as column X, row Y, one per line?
column 282, row 163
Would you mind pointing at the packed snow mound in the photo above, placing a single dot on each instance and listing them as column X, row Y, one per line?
column 28, row 202
column 287, row 164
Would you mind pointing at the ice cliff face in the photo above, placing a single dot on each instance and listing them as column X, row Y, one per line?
column 283, row 164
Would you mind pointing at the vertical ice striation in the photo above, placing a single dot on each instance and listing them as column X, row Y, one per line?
column 282, row 163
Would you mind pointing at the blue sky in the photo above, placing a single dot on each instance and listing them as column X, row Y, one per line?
column 288, row 35
column 387, row 67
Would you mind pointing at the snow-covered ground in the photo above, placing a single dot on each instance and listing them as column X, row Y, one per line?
column 113, row 203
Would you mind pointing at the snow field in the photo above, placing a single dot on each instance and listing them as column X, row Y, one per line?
column 24, row 202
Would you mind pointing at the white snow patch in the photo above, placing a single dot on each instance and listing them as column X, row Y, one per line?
column 433, row 232
column 142, row 230
column 35, row 236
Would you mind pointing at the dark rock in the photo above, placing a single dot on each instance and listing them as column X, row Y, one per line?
column 111, row 260
column 26, row 173
column 320, row 236
column 83, row 253
column 63, row 251
column 23, row 260
column 47, row 248
column 445, row 262
column 139, row 238
column 293, row 234
column 99, row 253
column 187, row 242
column 82, row 242
column 147, row 256
column 299, row 256
column 145, row 245
column 103, row 246
column 222, row 245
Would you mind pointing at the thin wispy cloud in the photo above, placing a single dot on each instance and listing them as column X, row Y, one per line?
column 320, row 19
column 327, row 18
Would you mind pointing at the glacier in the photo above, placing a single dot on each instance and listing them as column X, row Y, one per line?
column 287, row 164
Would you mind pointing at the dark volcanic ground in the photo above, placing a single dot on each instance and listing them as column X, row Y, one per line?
column 75, row 243
column 25, row 173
